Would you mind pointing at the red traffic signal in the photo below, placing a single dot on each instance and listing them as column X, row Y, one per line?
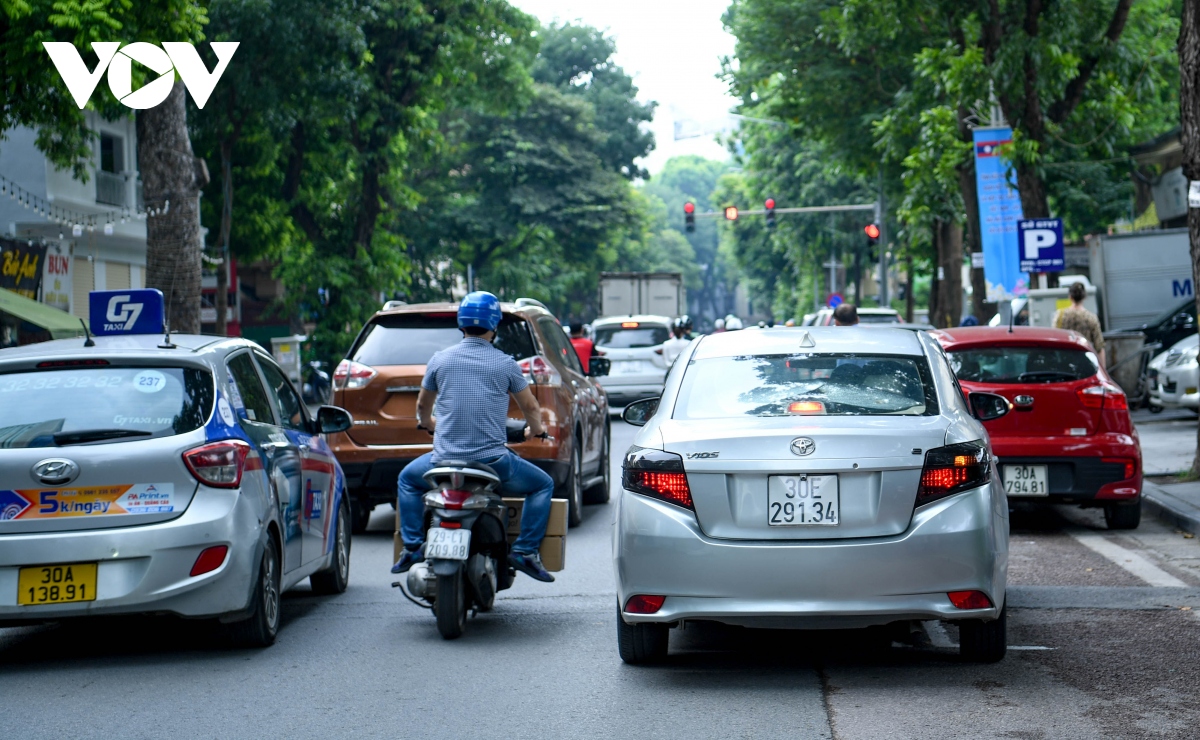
column 770, row 203
column 731, row 213
column 689, row 207
column 872, row 231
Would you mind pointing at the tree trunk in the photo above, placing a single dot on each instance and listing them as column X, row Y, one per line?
column 1189, row 119
column 949, row 282
column 223, row 269
column 973, row 242
column 909, row 300
column 171, row 180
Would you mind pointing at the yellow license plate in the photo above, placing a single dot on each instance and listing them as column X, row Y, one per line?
column 56, row 584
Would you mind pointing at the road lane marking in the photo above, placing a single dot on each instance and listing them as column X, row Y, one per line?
column 1127, row 559
column 1029, row 647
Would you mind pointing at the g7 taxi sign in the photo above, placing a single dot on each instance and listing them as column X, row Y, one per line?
column 125, row 311
column 1041, row 243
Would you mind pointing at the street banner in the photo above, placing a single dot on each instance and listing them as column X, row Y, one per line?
column 1041, row 243
column 21, row 266
column 999, row 211
column 56, row 279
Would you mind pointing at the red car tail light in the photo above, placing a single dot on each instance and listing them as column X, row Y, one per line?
column 537, row 368
column 351, row 375
column 970, row 600
column 1130, row 465
column 953, row 469
column 1103, row 396
column 644, row 604
column 209, row 560
column 219, row 464
column 658, row 475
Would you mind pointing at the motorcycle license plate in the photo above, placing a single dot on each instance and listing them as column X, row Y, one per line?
column 447, row 544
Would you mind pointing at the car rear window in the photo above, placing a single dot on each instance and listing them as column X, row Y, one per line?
column 878, row 318
column 807, row 385
column 411, row 339
column 631, row 337
column 1009, row 365
column 114, row 403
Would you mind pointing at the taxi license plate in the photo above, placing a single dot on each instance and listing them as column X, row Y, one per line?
column 447, row 544
column 1025, row 480
column 803, row 500
column 56, row 584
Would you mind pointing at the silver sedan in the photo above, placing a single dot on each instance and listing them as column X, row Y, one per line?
column 811, row 478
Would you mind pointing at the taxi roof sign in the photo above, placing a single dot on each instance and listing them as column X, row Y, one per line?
column 116, row 312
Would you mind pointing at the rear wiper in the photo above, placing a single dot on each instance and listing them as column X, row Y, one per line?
column 1045, row 375
column 95, row 435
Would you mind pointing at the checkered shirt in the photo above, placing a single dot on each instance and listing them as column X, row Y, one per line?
column 472, row 380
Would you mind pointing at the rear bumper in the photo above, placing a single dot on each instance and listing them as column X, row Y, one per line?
column 623, row 391
column 960, row 543
column 1080, row 477
column 146, row 569
column 1173, row 386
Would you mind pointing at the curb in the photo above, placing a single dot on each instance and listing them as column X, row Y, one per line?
column 1170, row 508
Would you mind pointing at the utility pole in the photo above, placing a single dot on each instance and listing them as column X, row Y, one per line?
column 833, row 265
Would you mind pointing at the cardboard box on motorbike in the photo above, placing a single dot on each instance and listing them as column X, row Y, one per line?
column 554, row 545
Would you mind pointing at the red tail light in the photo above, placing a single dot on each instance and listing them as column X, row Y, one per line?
column 219, row 464
column 351, row 375
column 1130, row 465
column 210, row 560
column 806, row 408
column 953, row 469
column 455, row 499
column 450, row 525
column 1103, row 396
column 970, row 600
column 657, row 474
column 644, row 604
column 539, row 370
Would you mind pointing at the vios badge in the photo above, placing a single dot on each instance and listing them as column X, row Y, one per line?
column 803, row 446
column 55, row 471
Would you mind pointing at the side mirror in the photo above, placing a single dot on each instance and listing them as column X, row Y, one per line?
column 1184, row 320
column 639, row 412
column 989, row 406
column 598, row 367
column 331, row 419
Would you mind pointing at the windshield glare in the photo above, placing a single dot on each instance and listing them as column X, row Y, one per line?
column 787, row 385
column 1006, row 365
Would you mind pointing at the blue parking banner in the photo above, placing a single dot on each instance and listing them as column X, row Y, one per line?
column 126, row 312
column 1041, row 243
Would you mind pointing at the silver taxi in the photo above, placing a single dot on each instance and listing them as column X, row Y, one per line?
column 180, row 476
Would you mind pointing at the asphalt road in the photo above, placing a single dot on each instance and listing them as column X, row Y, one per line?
column 1104, row 627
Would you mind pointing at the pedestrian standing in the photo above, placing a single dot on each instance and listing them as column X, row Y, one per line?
column 1078, row 319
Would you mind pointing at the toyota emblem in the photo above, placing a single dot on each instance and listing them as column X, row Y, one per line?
column 803, row 446
column 55, row 471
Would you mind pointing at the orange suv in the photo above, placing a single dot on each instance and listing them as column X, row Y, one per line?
column 379, row 380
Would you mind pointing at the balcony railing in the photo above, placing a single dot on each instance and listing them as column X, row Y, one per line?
column 110, row 189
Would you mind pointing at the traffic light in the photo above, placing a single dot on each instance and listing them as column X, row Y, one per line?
column 770, row 204
column 689, row 216
column 731, row 213
column 872, row 231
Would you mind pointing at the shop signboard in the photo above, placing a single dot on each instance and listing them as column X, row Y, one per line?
column 56, row 279
column 21, row 266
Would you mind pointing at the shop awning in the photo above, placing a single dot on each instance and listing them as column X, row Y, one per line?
column 60, row 324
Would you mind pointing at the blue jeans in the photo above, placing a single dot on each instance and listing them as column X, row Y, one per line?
column 517, row 478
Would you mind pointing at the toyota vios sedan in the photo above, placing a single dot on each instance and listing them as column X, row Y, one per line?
column 811, row 478
column 179, row 476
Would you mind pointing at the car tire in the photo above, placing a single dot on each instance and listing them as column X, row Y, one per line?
column 451, row 605
column 642, row 644
column 573, row 489
column 262, row 626
column 1123, row 516
column 360, row 515
column 600, row 493
column 983, row 642
column 337, row 577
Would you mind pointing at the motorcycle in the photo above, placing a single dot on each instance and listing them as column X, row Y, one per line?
column 466, row 545
column 316, row 389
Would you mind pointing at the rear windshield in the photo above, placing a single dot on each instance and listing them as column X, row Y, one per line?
column 1022, row 365
column 411, row 339
column 878, row 318
column 806, row 385
column 643, row 335
column 50, row 408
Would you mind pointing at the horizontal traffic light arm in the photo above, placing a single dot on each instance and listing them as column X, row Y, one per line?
column 806, row 209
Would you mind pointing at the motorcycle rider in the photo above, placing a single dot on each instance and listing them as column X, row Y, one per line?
column 468, row 386
column 673, row 347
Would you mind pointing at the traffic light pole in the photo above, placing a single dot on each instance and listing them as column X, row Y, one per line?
column 807, row 209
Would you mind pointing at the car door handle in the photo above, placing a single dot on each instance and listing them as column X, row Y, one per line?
column 276, row 445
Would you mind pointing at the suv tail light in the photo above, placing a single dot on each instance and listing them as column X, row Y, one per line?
column 658, row 475
column 1103, row 396
column 953, row 469
column 219, row 464
column 351, row 375
column 541, row 371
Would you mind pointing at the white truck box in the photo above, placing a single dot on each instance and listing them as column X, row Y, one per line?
column 630, row 293
column 1140, row 275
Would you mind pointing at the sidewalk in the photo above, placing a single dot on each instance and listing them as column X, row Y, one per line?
column 1174, row 503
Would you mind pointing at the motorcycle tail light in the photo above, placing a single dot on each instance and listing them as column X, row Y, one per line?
column 219, row 464
column 658, row 475
column 953, row 469
column 351, row 375
column 1103, row 396
column 970, row 600
column 455, row 499
column 539, row 370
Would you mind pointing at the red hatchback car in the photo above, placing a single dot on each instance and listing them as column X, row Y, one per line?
column 1069, row 439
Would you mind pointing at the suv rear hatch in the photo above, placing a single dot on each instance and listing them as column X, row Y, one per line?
column 631, row 345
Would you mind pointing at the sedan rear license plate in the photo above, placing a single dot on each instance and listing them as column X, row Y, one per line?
column 447, row 544
column 1025, row 480
column 803, row 500
column 56, row 584
column 629, row 367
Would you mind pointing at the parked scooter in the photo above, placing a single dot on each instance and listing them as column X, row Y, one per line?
column 316, row 389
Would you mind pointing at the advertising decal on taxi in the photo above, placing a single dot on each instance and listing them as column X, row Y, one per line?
column 141, row 498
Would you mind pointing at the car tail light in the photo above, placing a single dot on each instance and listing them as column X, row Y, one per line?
column 953, row 469
column 657, row 474
column 806, row 408
column 539, row 370
column 1103, row 396
column 644, row 604
column 350, row 375
column 1130, row 465
column 209, row 560
column 219, row 464
column 970, row 600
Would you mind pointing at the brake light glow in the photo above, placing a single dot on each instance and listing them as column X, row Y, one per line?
column 219, row 464
column 209, row 560
column 629, row 324
column 953, row 469
column 970, row 600
column 658, row 475
column 644, row 604
column 1103, row 396
column 539, row 370
column 806, row 408
column 450, row 525
column 351, row 375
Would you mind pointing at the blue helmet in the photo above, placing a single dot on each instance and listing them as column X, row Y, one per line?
column 479, row 309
